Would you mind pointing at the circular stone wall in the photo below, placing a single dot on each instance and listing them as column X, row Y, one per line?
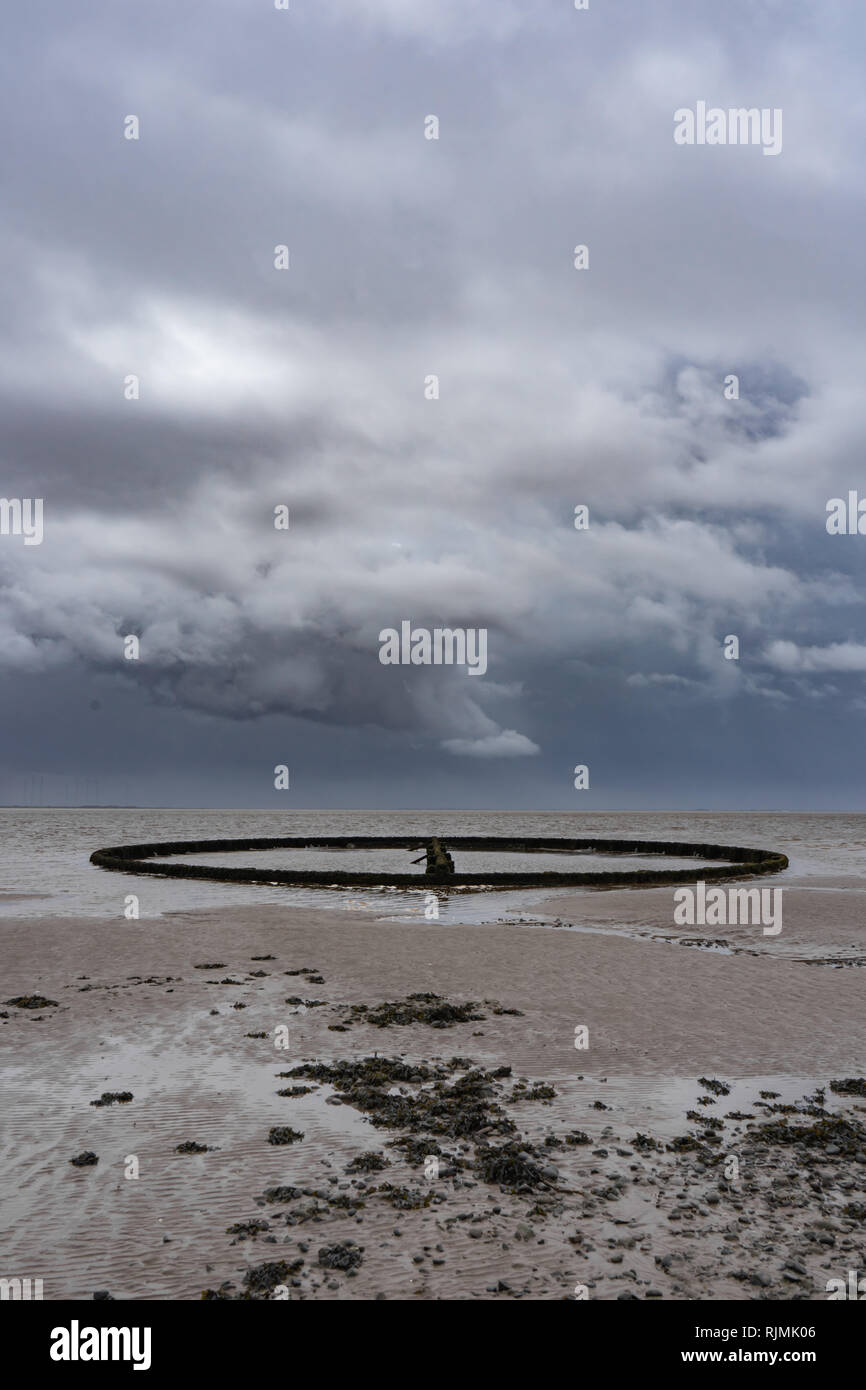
column 142, row 859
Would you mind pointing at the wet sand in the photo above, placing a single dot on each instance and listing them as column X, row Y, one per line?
column 822, row 918
column 133, row 1014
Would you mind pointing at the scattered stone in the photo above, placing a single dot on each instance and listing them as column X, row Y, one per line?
column 346, row 1255
column 261, row 1280
column 247, row 1228
column 282, row 1194
column 405, row 1198
column 539, row 1092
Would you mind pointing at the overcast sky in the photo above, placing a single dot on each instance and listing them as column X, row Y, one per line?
column 306, row 387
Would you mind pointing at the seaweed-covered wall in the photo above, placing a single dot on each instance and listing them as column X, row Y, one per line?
column 740, row 863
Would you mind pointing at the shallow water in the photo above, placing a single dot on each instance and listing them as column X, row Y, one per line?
column 405, row 861
column 45, row 869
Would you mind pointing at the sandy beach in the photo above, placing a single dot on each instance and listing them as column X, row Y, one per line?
column 612, row 1191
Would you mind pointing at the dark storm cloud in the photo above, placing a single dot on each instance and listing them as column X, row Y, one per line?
column 411, row 257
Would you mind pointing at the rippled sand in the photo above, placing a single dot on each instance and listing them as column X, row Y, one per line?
column 134, row 1014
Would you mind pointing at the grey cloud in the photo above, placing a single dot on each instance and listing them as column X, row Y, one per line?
column 412, row 257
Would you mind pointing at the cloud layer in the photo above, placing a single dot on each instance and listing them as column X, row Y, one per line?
column 412, row 259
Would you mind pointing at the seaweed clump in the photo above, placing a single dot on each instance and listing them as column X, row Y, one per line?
column 510, row 1166
column 709, row 1120
column 644, row 1143
column 416, row 1151
column 247, row 1228
column 684, row 1143
column 262, row 1279
column 404, row 1198
column 851, row 1086
column 848, row 1137
column 430, row 1009
column 368, row 1163
column 541, row 1091
column 284, row 1134
column 346, row 1255
column 32, row 1001
column 442, row 1105
column 109, row 1098
column 463, row 1108
column 281, row 1194
column 260, row 1282
column 455, row 1109
column 718, row 1088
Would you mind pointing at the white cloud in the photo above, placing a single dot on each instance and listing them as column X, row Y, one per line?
column 507, row 744
column 837, row 656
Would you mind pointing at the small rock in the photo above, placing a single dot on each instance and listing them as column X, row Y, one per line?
column 87, row 1159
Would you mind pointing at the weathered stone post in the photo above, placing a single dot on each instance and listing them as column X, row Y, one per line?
column 439, row 861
